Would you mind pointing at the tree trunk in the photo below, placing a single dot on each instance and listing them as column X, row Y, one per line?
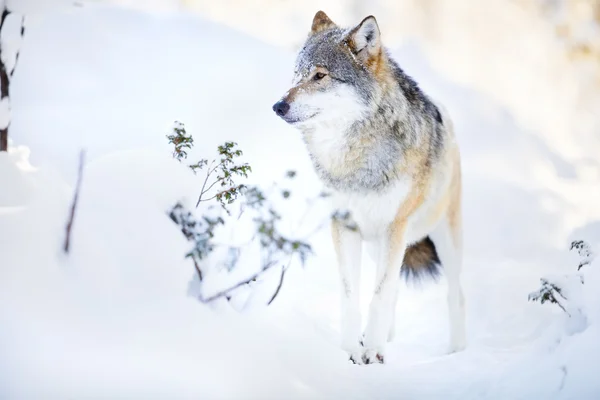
column 4, row 83
column 6, row 73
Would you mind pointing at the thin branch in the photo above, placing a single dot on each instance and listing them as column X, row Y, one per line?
column 200, row 276
column 218, row 194
column 561, row 306
column 205, row 180
column 75, row 198
column 210, row 187
column 224, row 293
column 283, row 271
column 557, row 301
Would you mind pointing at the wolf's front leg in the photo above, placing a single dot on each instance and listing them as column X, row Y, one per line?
column 381, row 312
column 348, row 248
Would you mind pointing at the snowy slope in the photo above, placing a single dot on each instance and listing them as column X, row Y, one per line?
column 114, row 319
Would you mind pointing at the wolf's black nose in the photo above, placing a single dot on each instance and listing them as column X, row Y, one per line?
column 281, row 108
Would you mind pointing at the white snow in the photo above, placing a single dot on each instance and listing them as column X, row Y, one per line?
column 115, row 319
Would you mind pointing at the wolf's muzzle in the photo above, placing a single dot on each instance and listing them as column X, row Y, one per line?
column 281, row 108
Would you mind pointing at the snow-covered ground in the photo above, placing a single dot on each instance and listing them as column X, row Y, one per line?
column 114, row 318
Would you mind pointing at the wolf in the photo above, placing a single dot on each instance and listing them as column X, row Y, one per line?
column 388, row 154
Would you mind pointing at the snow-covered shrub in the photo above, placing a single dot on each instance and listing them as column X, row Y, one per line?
column 556, row 290
column 232, row 203
column 566, row 290
column 198, row 231
column 585, row 252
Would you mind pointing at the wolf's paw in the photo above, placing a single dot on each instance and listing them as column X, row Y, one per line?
column 457, row 346
column 372, row 356
column 356, row 357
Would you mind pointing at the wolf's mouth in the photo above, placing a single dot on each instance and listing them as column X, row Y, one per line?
column 293, row 121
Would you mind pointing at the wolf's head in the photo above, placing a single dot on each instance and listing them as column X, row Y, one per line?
column 337, row 75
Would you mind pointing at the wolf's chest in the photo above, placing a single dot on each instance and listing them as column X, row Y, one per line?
column 373, row 212
column 329, row 148
column 353, row 163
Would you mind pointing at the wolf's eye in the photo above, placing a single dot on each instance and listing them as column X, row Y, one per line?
column 318, row 76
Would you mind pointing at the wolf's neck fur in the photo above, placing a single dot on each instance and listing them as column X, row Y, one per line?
column 371, row 153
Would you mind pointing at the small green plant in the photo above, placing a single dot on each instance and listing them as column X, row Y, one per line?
column 221, row 174
column 222, row 169
column 226, row 169
column 180, row 140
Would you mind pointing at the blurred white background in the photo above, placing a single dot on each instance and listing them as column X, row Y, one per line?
column 538, row 58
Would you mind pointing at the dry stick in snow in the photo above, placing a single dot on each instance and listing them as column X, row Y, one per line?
column 74, row 205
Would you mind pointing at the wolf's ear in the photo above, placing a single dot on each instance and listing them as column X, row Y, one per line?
column 321, row 22
column 364, row 40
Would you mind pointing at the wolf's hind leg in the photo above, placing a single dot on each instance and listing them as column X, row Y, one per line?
column 448, row 241
column 392, row 332
column 348, row 248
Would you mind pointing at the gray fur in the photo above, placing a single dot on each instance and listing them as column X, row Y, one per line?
column 398, row 118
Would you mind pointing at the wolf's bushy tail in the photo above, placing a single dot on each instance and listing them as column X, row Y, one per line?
column 421, row 261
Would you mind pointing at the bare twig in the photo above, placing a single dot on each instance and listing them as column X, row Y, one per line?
column 222, row 192
column 75, row 198
column 283, row 271
column 210, row 187
column 208, row 172
column 224, row 293
column 557, row 301
column 200, row 276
